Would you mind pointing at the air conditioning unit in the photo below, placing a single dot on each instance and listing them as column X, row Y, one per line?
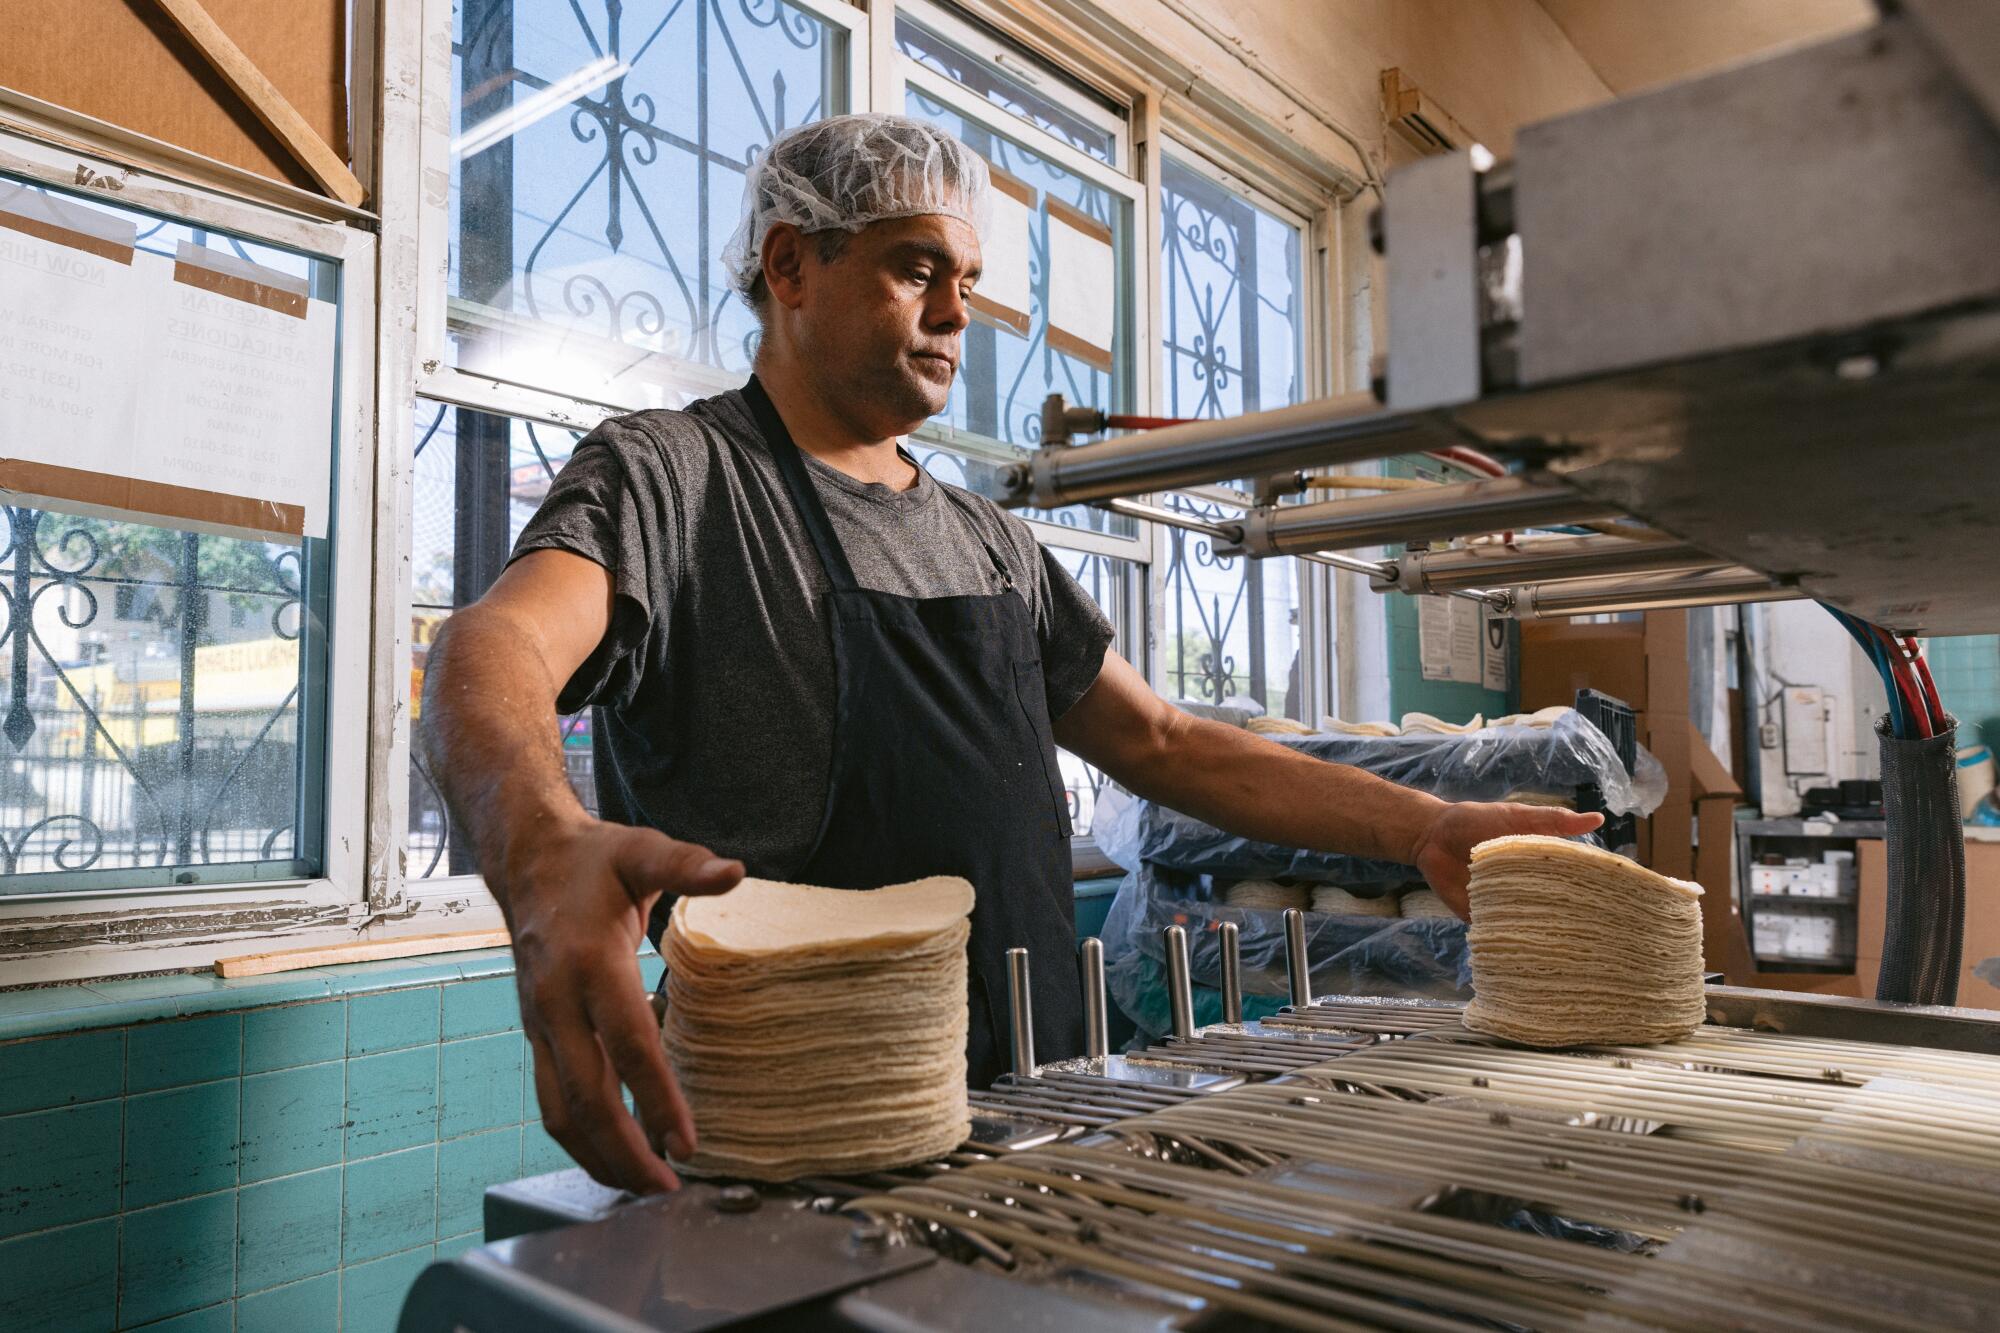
column 1417, row 120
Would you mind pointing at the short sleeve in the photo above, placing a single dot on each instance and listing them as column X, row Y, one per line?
column 1074, row 635
column 613, row 504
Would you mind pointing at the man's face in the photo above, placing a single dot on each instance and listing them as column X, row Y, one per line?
column 879, row 324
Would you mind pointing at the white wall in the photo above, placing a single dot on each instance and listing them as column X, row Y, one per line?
column 1799, row 644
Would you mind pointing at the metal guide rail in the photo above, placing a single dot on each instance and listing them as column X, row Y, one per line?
column 1346, row 1163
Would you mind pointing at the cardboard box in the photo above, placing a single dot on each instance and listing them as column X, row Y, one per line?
column 127, row 63
column 1982, row 918
column 1644, row 663
column 1723, row 945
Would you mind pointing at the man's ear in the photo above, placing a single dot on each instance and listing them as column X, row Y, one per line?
column 784, row 257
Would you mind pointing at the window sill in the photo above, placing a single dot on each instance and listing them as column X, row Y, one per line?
column 80, row 1006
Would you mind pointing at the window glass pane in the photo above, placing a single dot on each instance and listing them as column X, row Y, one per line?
column 478, row 478
column 153, row 704
column 1231, row 341
column 162, row 698
column 1010, row 92
column 1111, row 584
column 1232, row 628
column 994, row 416
column 597, row 168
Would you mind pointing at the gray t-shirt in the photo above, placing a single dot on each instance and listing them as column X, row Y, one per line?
column 713, row 689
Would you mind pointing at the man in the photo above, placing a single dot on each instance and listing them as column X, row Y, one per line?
column 811, row 660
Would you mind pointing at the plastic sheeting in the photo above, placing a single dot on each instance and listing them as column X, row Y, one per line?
column 1416, row 957
column 1487, row 765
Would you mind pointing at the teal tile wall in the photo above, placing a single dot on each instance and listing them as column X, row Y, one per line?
column 1967, row 672
column 285, row 1157
column 1409, row 692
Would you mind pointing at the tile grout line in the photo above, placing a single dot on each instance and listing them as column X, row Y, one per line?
column 340, row 1223
column 236, row 1245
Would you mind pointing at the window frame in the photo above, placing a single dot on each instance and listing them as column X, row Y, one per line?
column 976, row 42
column 62, row 934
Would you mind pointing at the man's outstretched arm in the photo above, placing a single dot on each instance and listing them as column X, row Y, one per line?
column 1255, row 788
column 575, row 890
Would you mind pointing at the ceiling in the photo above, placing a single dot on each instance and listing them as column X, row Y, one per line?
column 1635, row 44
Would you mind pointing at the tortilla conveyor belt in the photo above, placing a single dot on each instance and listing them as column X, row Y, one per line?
column 1800, row 1162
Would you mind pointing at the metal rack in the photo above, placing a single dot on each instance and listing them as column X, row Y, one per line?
column 1347, row 1163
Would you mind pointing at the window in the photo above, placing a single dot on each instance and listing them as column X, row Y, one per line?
column 164, row 694
column 1232, row 329
column 1113, row 584
column 1232, row 332
column 1005, row 375
column 478, row 478
column 597, row 163
column 994, row 416
column 1002, row 74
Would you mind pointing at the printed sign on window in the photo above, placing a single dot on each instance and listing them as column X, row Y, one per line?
column 1083, row 294
column 1002, row 296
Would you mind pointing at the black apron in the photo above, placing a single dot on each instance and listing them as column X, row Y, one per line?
column 944, row 763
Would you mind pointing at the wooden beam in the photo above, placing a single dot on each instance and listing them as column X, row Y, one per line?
column 358, row 951
column 263, row 97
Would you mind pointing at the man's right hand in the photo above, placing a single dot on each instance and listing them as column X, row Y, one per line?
column 578, row 899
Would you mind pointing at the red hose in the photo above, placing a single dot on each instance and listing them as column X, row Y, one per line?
column 1899, row 670
column 1123, row 422
column 1471, row 459
column 1923, row 673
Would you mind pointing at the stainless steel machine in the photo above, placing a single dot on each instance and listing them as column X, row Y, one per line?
column 1755, row 317
column 1348, row 1163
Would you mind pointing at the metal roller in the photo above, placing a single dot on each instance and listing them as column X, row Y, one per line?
column 1432, row 514
column 1232, row 974
column 1096, row 1033
column 1180, row 988
column 1326, row 431
column 1539, row 560
column 1297, row 970
column 1708, row 587
column 1020, row 1013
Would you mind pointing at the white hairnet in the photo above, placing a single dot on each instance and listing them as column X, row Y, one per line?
column 849, row 171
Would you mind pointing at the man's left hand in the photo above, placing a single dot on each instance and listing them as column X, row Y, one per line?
column 1445, row 848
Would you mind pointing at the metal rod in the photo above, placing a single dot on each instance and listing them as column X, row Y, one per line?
column 1096, row 1032
column 1296, row 969
column 1433, row 513
column 1544, row 559
column 1180, row 993
column 1712, row 587
column 1326, row 431
column 1172, row 518
column 1233, row 532
column 1020, row 1013
column 1232, row 975
column 1375, row 569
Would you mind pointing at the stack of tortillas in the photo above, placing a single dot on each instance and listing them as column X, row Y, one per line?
column 1423, row 902
column 1340, row 728
column 1333, row 900
column 1423, row 724
column 1571, row 945
column 1265, row 895
column 819, row 1030
column 1278, row 726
